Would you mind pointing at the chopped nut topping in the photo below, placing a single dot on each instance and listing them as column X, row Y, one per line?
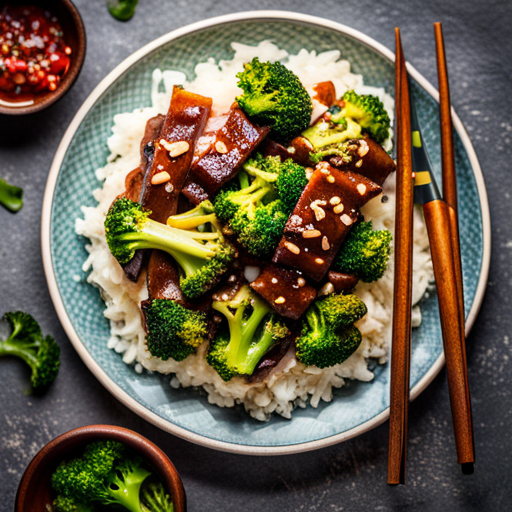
column 274, row 280
column 309, row 172
column 325, row 170
column 361, row 189
column 175, row 148
column 280, row 300
column 335, row 200
column 311, row 233
column 325, row 244
column 320, row 261
column 169, row 187
column 301, row 281
column 291, row 150
column 319, row 212
column 292, row 247
column 346, row 220
column 221, row 147
column 331, row 178
column 160, row 177
column 339, row 208
column 359, row 163
column 326, row 289
column 225, row 296
column 232, row 278
column 363, row 148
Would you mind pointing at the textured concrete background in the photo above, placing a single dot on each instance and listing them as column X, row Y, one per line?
column 350, row 476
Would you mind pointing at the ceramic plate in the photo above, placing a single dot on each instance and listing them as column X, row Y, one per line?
column 355, row 408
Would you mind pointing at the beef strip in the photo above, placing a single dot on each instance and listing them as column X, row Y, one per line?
column 134, row 183
column 368, row 158
column 324, row 214
column 221, row 151
column 183, row 124
column 342, row 282
column 285, row 290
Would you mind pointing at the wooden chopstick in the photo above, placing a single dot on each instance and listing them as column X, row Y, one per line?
column 402, row 292
column 456, row 363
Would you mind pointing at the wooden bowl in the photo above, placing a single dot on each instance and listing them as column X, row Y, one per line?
column 74, row 33
column 34, row 491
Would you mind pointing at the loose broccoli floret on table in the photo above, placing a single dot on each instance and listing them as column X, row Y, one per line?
column 105, row 474
column 365, row 252
column 26, row 341
column 173, row 331
column 202, row 255
column 274, row 96
column 253, row 330
column 354, row 116
column 328, row 334
column 257, row 210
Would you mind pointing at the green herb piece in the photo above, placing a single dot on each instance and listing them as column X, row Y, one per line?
column 11, row 197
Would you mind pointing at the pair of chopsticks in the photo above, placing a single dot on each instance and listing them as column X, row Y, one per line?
column 415, row 181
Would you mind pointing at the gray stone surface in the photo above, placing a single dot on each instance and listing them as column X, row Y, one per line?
column 350, row 476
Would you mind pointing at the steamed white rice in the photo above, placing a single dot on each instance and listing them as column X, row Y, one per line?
column 291, row 384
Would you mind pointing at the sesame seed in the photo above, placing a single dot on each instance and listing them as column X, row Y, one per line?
column 301, row 281
column 346, row 220
column 339, row 208
column 330, row 178
column 320, row 261
column 217, row 319
column 335, row 200
column 221, row 147
column 326, row 289
column 169, row 187
column 311, row 233
column 225, row 296
column 280, row 300
column 232, row 278
column 274, row 280
column 309, row 172
column 292, row 247
column 175, row 148
column 361, row 189
column 359, row 163
column 325, row 244
column 363, row 148
column 161, row 177
column 291, row 150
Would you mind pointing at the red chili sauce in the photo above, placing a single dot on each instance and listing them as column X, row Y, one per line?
column 33, row 54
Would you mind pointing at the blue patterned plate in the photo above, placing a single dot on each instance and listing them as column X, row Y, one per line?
column 356, row 407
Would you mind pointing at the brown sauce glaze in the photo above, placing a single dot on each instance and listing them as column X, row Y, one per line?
column 324, row 214
column 285, row 290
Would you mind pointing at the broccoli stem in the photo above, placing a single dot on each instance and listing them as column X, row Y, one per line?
column 194, row 218
column 22, row 350
column 242, row 333
column 249, row 197
column 169, row 239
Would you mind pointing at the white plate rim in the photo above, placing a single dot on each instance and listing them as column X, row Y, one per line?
column 94, row 367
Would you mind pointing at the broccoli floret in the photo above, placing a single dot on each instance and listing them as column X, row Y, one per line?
column 257, row 212
column 368, row 111
column 26, row 342
column 155, row 498
column 65, row 504
column 202, row 255
column 328, row 335
column 358, row 114
column 365, row 252
column 274, row 96
column 106, row 475
column 174, row 331
column 253, row 330
column 11, row 197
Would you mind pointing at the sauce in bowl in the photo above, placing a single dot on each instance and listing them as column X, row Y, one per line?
column 34, row 56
